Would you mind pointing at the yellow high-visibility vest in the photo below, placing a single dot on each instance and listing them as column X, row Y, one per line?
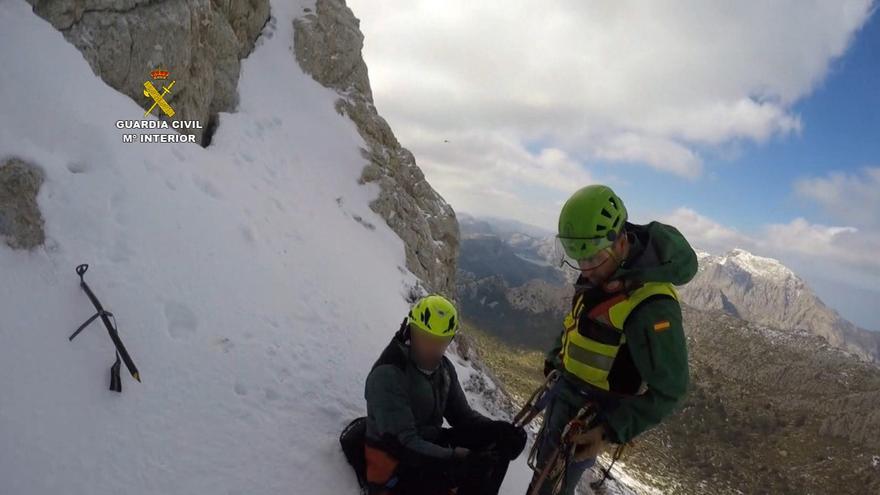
column 591, row 356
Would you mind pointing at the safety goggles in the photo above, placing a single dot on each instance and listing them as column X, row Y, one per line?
column 582, row 253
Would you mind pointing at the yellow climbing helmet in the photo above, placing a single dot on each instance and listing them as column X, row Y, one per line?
column 434, row 314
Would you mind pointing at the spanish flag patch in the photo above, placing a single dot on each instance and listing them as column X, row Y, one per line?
column 661, row 325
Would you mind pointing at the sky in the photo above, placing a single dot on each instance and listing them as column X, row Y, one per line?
column 745, row 124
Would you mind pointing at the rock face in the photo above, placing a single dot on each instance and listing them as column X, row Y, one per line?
column 538, row 296
column 199, row 42
column 762, row 290
column 328, row 46
column 21, row 224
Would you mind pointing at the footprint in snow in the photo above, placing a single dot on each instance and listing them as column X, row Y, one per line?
column 78, row 167
column 240, row 389
column 178, row 154
column 207, row 187
column 181, row 320
column 117, row 201
column 246, row 156
column 247, row 233
column 120, row 252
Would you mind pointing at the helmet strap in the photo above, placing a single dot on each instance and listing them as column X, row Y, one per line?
column 404, row 332
column 618, row 260
column 611, row 253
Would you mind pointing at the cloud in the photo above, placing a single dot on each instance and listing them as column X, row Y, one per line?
column 492, row 173
column 663, row 154
column 649, row 83
column 849, row 197
column 844, row 254
column 707, row 234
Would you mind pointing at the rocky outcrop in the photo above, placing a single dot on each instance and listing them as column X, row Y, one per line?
column 199, row 42
column 775, row 411
column 21, row 223
column 762, row 290
column 538, row 296
column 328, row 46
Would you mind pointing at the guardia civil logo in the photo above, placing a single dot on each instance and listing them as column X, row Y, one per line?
column 151, row 92
column 158, row 92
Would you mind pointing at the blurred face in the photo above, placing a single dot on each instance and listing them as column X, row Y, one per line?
column 599, row 267
column 427, row 348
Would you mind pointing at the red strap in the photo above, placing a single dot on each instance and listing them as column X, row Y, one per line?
column 380, row 465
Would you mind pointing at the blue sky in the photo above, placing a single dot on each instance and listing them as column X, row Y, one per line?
column 746, row 124
column 841, row 132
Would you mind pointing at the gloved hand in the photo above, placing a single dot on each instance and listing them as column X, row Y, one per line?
column 460, row 453
column 475, row 458
column 591, row 443
column 483, row 458
column 510, row 439
column 548, row 367
column 468, row 465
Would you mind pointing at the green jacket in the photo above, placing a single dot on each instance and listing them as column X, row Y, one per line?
column 658, row 253
column 406, row 407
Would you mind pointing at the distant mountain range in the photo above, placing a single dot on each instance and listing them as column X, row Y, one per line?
column 510, row 265
column 781, row 398
column 506, row 282
column 762, row 290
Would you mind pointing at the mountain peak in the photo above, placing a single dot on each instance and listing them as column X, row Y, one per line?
column 756, row 265
column 763, row 290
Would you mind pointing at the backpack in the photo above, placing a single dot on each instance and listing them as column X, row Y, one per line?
column 352, row 441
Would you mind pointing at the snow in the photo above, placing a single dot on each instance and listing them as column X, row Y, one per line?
column 758, row 265
column 249, row 297
column 624, row 483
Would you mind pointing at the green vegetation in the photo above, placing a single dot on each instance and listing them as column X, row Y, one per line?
column 520, row 369
column 767, row 422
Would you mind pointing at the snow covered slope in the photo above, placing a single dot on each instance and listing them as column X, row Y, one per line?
column 247, row 293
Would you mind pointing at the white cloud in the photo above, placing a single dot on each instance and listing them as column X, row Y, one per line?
column 492, row 174
column 844, row 254
column 847, row 249
column 707, row 234
column 851, row 197
column 663, row 154
column 624, row 81
column 811, row 239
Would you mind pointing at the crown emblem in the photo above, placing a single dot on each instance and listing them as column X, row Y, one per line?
column 159, row 74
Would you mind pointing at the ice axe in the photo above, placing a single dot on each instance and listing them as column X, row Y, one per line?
column 115, row 380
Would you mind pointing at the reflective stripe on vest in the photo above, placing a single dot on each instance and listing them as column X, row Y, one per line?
column 591, row 359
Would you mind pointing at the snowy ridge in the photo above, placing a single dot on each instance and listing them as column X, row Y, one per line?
column 757, row 265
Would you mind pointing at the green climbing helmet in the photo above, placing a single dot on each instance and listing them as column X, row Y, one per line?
column 435, row 315
column 590, row 221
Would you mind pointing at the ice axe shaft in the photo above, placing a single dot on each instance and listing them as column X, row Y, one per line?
column 105, row 316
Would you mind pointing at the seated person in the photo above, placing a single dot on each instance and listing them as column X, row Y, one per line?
column 410, row 390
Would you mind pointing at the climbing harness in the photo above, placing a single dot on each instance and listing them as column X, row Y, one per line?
column 555, row 468
column 537, row 401
column 606, row 472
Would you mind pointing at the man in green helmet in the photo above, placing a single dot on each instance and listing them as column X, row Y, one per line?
column 410, row 390
column 622, row 347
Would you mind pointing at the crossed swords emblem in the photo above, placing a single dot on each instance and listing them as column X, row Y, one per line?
column 150, row 91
